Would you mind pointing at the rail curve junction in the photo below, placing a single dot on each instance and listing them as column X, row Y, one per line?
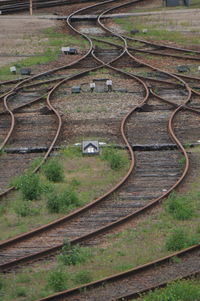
column 139, row 190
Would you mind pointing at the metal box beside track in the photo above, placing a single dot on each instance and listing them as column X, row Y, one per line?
column 172, row 2
column 76, row 89
column 177, row 2
column 69, row 50
column 25, row 71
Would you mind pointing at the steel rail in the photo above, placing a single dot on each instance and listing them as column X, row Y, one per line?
column 12, row 121
column 165, row 54
column 130, row 55
column 122, row 220
column 154, row 287
column 170, row 128
column 52, row 299
column 161, row 45
column 132, row 164
column 26, row 104
column 153, row 52
column 91, row 204
column 6, row 9
column 174, row 138
column 150, row 78
column 135, row 271
column 139, row 210
column 63, row 81
column 184, row 107
column 18, row 87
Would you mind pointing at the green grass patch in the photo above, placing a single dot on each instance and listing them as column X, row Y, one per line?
column 45, row 51
column 155, row 31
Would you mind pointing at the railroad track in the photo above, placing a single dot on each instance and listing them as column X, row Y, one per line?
column 131, row 284
column 103, row 213
column 100, row 212
column 14, row 6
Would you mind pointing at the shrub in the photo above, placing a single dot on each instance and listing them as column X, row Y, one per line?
column 179, row 240
column 53, row 204
column 57, row 280
column 29, row 185
column 69, row 197
column 82, row 277
column 113, row 157
column 58, row 202
column 53, row 170
column 72, row 255
column 179, row 208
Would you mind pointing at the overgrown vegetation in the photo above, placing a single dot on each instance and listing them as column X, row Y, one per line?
column 29, row 185
column 72, row 255
column 54, row 170
column 180, row 239
column 58, row 202
column 179, row 207
column 31, row 205
column 82, row 277
column 57, row 280
column 185, row 290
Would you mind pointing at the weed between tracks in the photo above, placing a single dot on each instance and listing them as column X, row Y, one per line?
column 147, row 241
column 84, row 179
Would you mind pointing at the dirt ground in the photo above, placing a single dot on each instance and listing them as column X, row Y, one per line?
column 22, row 34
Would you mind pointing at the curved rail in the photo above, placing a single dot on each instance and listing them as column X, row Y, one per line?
column 8, row 242
column 20, row 86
